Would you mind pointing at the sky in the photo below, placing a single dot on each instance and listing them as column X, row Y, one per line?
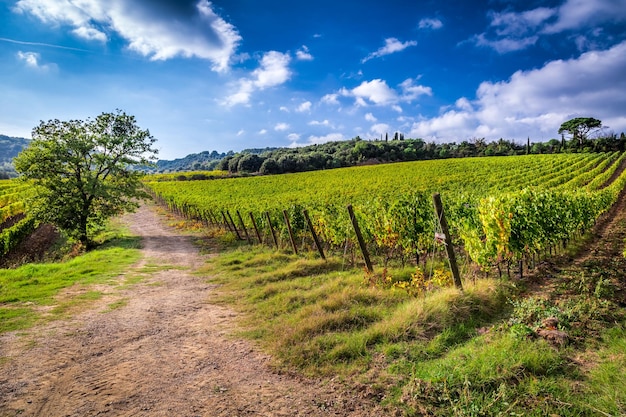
column 235, row 74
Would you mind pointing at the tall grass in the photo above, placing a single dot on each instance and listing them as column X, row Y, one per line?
column 446, row 353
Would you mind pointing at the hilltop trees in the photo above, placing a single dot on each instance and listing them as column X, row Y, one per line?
column 81, row 171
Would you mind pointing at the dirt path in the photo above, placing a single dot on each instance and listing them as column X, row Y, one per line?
column 166, row 352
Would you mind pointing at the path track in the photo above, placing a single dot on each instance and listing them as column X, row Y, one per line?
column 166, row 352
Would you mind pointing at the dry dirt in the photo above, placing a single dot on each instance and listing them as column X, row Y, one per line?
column 165, row 351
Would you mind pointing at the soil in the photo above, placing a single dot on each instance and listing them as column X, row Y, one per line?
column 157, row 348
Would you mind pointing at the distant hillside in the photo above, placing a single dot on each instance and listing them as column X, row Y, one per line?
column 9, row 148
column 203, row 161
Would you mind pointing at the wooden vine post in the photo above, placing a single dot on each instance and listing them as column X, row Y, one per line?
column 315, row 239
column 256, row 228
column 359, row 236
column 234, row 226
column 226, row 224
column 293, row 241
column 448, row 240
column 243, row 227
column 269, row 223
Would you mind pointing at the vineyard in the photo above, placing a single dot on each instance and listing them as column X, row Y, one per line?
column 502, row 211
column 14, row 222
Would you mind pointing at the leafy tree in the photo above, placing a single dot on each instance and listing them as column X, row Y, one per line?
column 82, row 171
column 580, row 127
column 249, row 163
column 270, row 166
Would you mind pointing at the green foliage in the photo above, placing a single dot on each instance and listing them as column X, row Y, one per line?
column 12, row 236
column 500, row 210
column 81, row 171
column 579, row 127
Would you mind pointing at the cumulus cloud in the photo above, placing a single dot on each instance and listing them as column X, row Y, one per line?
column 411, row 91
column 281, row 127
column 429, row 23
column 392, row 45
column 377, row 92
column 304, row 107
column 370, row 118
column 534, row 103
column 32, row 60
column 273, row 71
column 159, row 31
column 330, row 99
column 303, row 54
column 324, row 122
column 379, row 129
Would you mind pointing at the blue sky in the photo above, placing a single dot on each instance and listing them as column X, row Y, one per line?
column 235, row 74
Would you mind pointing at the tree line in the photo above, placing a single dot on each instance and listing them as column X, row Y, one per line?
column 361, row 152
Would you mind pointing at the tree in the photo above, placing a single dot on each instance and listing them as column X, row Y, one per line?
column 82, row 171
column 580, row 127
column 249, row 163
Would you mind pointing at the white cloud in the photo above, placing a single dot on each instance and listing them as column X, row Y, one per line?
column 430, row 23
column 519, row 24
column 262, row 131
column 392, row 45
column 370, row 118
column 505, row 45
column 32, row 60
column 379, row 129
column 283, row 108
column 324, row 122
column 574, row 14
column 379, row 93
column 410, row 91
column 330, row 99
column 304, row 107
column 513, row 31
column 303, row 54
column 280, row 127
column 241, row 132
column 90, row 33
column 535, row 103
column 159, row 32
column 293, row 137
column 376, row 91
column 273, row 71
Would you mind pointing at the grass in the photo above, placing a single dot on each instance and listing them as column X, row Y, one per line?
column 446, row 353
column 25, row 290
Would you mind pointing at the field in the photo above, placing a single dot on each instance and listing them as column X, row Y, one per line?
column 538, row 328
column 14, row 223
column 503, row 346
column 500, row 209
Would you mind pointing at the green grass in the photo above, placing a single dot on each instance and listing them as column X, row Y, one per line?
column 449, row 353
column 117, row 304
column 24, row 290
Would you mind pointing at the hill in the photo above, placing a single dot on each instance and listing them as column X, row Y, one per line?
column 9, row 148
